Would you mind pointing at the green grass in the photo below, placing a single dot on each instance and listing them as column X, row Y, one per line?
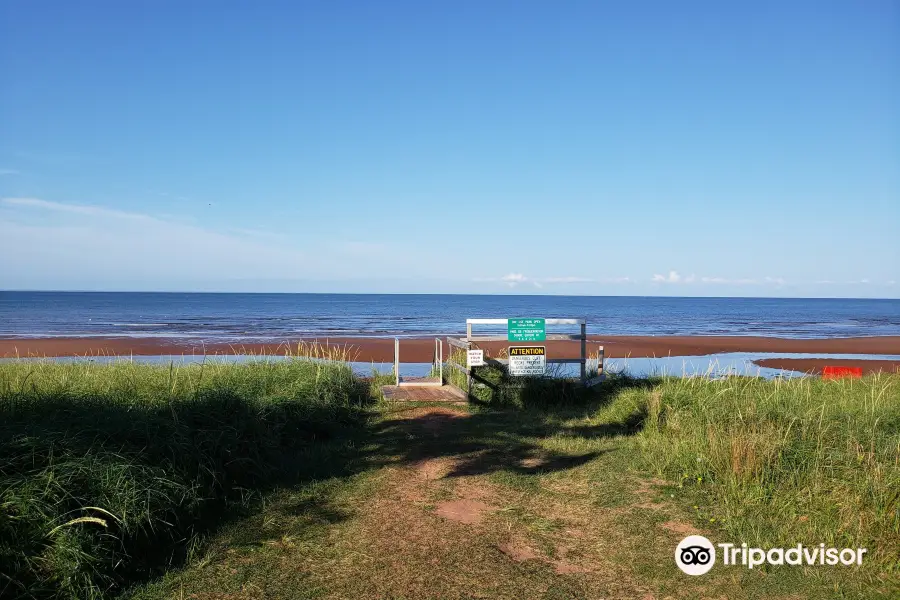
column 113, row 473
column 231, row 479
column 781, row 462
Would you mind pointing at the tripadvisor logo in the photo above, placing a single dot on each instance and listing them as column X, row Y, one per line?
column 696, row 555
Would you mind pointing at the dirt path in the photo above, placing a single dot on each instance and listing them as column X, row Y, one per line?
column 457, row 505
column 438, row 526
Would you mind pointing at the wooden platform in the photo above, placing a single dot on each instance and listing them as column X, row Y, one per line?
column 444, row 393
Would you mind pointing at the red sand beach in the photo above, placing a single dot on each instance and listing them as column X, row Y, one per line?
column 421, row 349
column 815, row 365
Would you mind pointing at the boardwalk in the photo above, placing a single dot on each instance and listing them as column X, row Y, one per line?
column 444, row 393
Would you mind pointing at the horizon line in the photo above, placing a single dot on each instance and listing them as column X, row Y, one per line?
column 88, row 291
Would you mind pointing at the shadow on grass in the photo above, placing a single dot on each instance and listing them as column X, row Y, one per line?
column 98, row 494
column 516, row 460
column 495, row 387
column 505, row 433
column 104, row 491
column 630, row 425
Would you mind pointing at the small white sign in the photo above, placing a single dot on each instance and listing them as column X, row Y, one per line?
column 475, row 358
column 527, row 360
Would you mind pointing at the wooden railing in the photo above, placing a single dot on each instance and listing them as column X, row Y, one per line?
column 437, row 364
column 466, row 344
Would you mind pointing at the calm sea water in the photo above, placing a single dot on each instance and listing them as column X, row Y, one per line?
column 713, row 365
column 276, row 316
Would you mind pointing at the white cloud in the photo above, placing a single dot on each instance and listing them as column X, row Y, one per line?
column 851, row 282
column 672, row 277
column 83, row 245
column 95, row 240
column 79, row 209
column 513, row 278
column 675, row 277
column 8, row 172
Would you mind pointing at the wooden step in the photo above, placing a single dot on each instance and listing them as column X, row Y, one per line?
column 445, row 393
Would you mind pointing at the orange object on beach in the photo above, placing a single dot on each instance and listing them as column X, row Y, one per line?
column 839, row 372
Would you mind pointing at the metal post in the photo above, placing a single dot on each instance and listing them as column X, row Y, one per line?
column 397, row 360
column 600, row 359
column 434, row 360
column 584, row 354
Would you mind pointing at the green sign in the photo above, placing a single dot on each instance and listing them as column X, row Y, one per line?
column 526, row 330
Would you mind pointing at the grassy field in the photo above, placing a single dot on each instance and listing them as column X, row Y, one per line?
column 290, row 480
column 112, row 473
column 786, row 461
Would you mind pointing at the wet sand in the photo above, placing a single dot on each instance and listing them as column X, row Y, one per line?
column 815, row 365
column 422, row 349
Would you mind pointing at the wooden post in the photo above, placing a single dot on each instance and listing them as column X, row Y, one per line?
column 583, row 354
column 439, row 359
column 397, row 360
column 469, row 370
column 600, row 359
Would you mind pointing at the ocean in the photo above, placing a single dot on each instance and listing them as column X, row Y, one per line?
column 230, row 317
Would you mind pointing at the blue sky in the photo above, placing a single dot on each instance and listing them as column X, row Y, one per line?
column 627, row 148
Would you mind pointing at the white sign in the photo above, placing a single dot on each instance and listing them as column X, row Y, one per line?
column 527, row 360
column 475, row 358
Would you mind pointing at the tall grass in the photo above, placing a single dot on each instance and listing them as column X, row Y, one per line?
column 112, row 473
column 786, row 461
column 779, row 462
